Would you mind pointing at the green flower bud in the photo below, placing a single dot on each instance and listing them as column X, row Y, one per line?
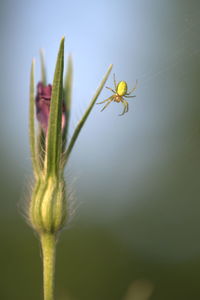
column 47, row 212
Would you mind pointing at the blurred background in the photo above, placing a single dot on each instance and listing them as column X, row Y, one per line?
column 135, row 231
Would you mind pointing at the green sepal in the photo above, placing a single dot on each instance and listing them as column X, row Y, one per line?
column 41, row 135
column 41, row 140
column 32, row 137
column 67, row 97
column 43, row 68
column 54, row 133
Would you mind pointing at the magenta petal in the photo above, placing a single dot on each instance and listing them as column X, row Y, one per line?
column 43, row 100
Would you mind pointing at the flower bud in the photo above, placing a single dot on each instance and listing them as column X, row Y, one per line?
column 48, row 206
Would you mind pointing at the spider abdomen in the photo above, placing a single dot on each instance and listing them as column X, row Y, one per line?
column 121, row 88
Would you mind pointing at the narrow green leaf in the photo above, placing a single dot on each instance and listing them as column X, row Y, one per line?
column 32, row 137
column 43, row 68
column 67, row 97
column 54, row 134
column 85, row 116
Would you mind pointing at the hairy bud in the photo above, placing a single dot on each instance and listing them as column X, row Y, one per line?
column 48, row 206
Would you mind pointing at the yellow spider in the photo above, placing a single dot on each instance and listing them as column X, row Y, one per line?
column 119, row 93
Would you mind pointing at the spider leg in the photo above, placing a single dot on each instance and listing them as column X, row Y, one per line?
column 111, row 89
column 129, row 96
column 115, row 83
column 104, row 100
column 125, row 103
column 106, row 105
column 126, row 107
column 133, row 88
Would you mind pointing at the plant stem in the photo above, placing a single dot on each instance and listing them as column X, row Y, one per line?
column 48, row 243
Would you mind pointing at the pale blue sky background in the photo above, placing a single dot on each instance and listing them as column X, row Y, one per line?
column 141, row 162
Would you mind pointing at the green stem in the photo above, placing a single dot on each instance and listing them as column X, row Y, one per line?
column 48, row 243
